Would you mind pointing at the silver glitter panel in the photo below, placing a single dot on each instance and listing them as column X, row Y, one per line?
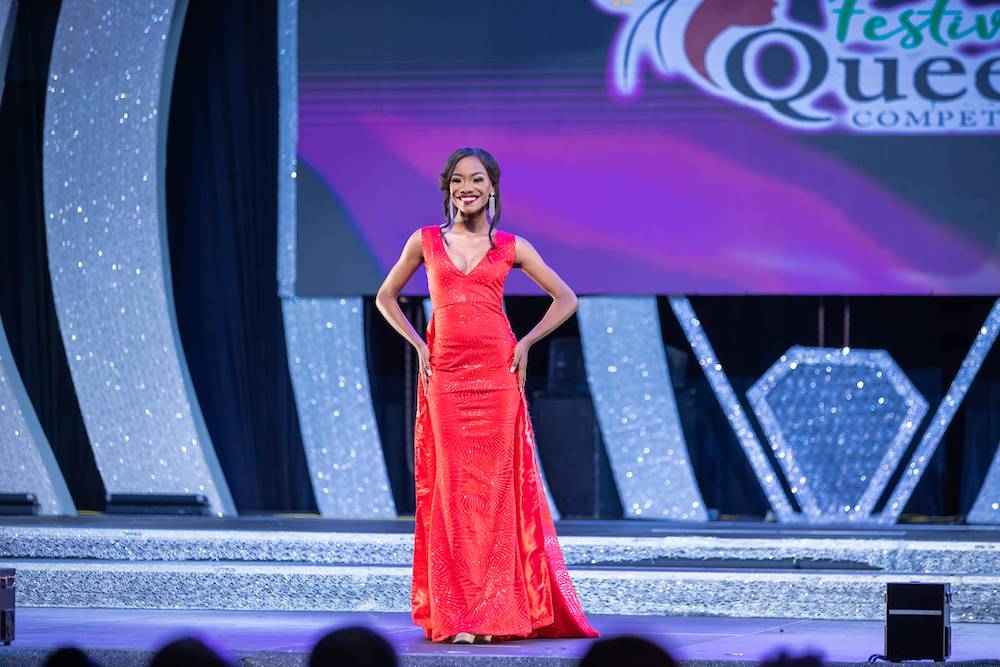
column 986, row 509
column 28, row 463
column 553, row 510
column 636, row 408
column 838, row 422
column 270, row 586
column 288, row 128
column 326, row 357
column 29, row 466
column 897, row 555
column 730, row 403
column 104, row 151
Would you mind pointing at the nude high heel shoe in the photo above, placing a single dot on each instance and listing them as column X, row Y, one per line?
column 463, row 638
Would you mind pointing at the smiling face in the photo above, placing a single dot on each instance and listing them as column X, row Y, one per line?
column 470, row 186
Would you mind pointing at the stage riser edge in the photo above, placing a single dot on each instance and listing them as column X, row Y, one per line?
column 847, row 595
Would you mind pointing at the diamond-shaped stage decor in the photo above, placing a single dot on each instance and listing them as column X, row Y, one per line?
column 838, row 422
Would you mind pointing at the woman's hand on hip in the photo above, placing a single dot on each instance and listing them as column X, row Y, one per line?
column 424, row 361
column 520, row 363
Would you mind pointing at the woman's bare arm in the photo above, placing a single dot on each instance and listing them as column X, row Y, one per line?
column 387, row 304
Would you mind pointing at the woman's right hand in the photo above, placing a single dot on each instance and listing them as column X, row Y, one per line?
column 424, row 361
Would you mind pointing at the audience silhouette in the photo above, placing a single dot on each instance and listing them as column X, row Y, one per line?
column 632, row 651
column 356, row 645
column 187, row 652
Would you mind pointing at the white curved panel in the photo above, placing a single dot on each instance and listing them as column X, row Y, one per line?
column 326, row 358
column 29, row 466
column 104, row 151
column 636, row 408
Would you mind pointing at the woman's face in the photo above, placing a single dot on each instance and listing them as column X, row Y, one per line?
column 470, row 186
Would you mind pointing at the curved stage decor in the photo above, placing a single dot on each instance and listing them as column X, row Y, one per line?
column 104, row 151
column 636, row 409
column 326, row 359
column 30, row 466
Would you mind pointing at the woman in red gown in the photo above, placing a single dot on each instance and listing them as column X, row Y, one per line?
column 486, row 560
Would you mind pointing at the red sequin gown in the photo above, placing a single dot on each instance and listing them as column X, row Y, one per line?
column 486, row 558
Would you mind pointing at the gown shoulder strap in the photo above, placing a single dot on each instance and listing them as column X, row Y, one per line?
column 427, row 235
column 507, row 244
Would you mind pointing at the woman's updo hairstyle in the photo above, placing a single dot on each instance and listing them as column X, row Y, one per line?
column 492, row 171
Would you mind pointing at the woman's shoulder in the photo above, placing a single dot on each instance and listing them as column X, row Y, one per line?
column 427, row 232
column 423, row 233
column 513, row 240
column 505, row 237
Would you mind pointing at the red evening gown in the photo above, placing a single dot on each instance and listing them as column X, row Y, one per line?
column 486, row 558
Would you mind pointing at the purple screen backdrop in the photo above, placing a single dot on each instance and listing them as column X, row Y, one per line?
column 671, row 191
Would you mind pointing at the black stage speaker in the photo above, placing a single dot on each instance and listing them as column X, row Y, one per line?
column 6, row 605
column 917, row 622
column 151, row 503
column 18, row 503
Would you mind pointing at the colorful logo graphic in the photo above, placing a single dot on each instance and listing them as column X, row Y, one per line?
column 922, row 67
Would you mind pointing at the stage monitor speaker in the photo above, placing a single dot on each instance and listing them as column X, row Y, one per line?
column 7, row 605
column 917, row 622
column 150, row 503
column 18, row 503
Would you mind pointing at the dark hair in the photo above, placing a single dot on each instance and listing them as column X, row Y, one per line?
column 492, row 171
column 632, row 651
column 355, row 645
column 69, row 657
column 187, row 652
column 783, row 659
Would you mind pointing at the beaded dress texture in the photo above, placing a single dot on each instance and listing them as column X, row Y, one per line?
column 486, row 557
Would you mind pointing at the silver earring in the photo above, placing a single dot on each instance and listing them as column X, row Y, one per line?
column 493, row 205
column 451, row 211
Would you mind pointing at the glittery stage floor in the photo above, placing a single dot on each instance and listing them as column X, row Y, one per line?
column 125, row 638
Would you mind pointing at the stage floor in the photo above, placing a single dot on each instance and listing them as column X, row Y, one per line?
column 126, row 637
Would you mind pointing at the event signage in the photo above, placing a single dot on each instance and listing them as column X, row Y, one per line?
column 923, row 67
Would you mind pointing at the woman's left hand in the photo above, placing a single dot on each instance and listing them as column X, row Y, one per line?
column 520, row 363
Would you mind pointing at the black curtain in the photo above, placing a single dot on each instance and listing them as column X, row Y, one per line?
column 26, row 305
column 222, row 162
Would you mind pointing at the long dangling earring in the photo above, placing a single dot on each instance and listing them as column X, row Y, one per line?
column 451, row 211
column 493, row 205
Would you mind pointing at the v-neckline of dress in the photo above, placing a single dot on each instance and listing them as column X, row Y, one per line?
column 444, row 249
